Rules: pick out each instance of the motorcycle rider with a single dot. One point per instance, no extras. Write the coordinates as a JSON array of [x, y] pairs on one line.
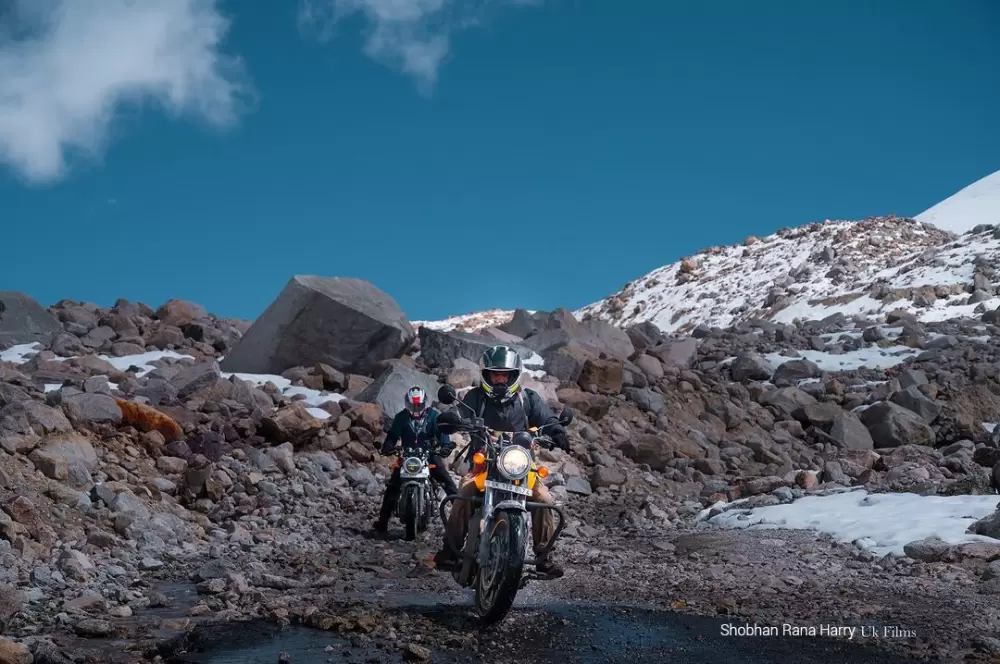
[[416, 426], [504, 405]]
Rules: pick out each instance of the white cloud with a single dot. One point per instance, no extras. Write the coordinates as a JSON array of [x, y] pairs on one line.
[[67, 66], [413, 36]]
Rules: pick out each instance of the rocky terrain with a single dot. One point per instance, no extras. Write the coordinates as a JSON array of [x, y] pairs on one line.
[[162, 469]]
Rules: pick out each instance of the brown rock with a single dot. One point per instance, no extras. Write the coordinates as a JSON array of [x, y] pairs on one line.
[[14, 653], [604, 375], [171, 465], [360, 452], [50, 465], [606, 477], [654, 451], [369, 415], [180, 312], [291, 424], [594, 406], [806, 480]]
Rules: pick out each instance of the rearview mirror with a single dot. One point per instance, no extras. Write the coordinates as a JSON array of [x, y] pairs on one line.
[[566, 416], [447, 395]]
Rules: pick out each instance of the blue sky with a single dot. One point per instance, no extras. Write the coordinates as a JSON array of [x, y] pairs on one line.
[[464, 156]]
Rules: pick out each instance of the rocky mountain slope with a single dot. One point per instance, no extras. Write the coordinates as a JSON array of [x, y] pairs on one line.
[[142, 451], [868, 267]]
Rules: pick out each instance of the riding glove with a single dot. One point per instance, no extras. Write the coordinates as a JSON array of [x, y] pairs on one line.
[[559, 437]]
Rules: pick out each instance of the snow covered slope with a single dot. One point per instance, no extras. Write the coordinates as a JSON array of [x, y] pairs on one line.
[[469, 322], [979, 203], [869, 267]]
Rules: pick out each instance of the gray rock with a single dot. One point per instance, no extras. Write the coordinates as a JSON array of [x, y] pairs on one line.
[[988, 526], [348, 324], [78, 454], [606, 477], [190, 379], [928, 550], [850, 432], [442, 349], [645, 399], [28, 416], [912, 377], [750, 366], [24, 321], [593, 336], [389, 389], [795, 370], [359, 476], [787, 400], [680, 353], [578, 485], [91, 408], [891, 425], [916, 401]]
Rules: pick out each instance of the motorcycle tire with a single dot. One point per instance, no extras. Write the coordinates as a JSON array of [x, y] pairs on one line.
[[410, 515], [499, 580]]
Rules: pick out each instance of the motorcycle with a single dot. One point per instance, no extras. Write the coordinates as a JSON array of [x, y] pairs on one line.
[[417, 492], [505, 473]]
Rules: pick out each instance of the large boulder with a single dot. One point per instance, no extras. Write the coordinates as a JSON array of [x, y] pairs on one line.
[[24, 321], [389, 389], [891, 425], [593, 336], [521, 324], [346, 323], [441, 349]]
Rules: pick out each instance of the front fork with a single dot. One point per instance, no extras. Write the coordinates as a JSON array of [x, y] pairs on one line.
[[487, 519]]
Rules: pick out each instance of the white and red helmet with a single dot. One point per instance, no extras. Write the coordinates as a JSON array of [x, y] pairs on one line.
[[416, 401]]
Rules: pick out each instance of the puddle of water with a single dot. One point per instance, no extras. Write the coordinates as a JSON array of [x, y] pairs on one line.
[[543, 634], [259, 642]]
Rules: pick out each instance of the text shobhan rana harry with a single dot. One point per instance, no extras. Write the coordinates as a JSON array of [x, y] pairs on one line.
[[836, 631]]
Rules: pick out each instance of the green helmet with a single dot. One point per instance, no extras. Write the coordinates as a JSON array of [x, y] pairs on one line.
[[500, 373]]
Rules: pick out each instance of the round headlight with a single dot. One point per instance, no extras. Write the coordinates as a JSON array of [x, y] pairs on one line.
[[514, 462], [413, 465]]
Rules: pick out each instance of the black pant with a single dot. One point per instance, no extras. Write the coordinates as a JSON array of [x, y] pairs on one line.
[[440, 474]]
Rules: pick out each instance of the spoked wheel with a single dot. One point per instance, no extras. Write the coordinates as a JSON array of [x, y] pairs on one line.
[[499, 580]]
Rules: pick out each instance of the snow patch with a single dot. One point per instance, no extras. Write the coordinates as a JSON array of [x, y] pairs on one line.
[[312, 397], [20, 353], [873, 358], [879, 522]]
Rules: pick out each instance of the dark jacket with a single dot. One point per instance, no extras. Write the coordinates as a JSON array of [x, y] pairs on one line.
[[416, 433], [518, 414]]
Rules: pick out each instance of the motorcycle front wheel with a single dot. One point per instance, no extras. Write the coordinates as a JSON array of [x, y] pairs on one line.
[[410, 515], [498, 581]]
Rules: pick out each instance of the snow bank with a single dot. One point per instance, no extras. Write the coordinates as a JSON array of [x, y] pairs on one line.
[[881, 522], [872, 357]]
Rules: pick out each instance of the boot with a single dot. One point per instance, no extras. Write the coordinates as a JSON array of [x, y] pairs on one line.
[[546, 567], [384, 513], [444, 559]]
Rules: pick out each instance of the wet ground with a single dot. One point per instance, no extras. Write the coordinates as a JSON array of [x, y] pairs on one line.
[[553, 633]]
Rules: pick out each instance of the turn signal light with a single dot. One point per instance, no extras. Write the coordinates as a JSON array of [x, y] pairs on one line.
[[479, 458], [432, 465], [543, 472]]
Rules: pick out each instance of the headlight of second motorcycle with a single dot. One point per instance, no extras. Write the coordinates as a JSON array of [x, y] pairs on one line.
[[514, 462], [413, 465]]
